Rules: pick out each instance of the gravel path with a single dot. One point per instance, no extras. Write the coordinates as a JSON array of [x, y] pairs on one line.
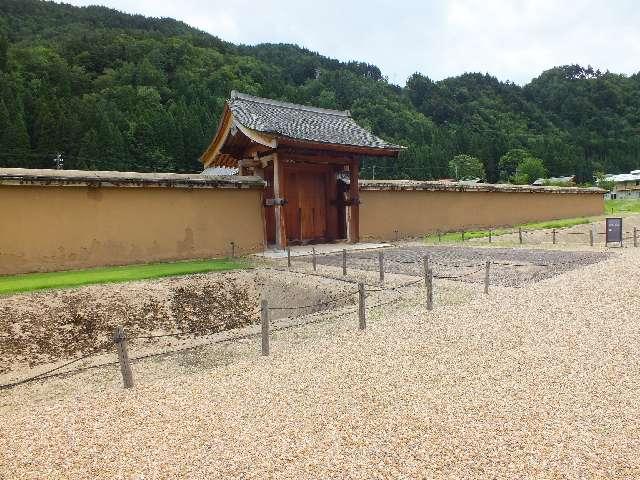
[[513, 267], [534, 382]]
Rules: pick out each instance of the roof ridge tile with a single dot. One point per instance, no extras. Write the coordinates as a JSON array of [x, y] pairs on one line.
[[294, 106]]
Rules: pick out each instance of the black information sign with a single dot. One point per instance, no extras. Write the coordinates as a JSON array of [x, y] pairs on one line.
[[614, 230]]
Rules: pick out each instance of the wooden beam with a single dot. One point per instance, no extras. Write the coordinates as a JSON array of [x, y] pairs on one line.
[[258, 137], [354, 197], [212, 151], [349, 149], [278, 192]]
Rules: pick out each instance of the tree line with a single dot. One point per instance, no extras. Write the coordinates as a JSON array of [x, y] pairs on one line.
[[112, 91]]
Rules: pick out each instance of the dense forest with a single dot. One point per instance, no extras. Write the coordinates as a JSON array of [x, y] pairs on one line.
[[112, 91]]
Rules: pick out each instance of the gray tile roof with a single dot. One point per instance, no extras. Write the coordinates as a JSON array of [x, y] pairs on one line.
[[300, 122]]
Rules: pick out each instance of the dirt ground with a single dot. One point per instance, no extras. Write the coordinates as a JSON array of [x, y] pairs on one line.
[[44, 329], [541, 381]]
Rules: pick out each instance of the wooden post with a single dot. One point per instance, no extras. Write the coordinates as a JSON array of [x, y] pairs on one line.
[[264, 307], [381, 265], [463, 235], [429, 280], [489, 235], [439, 236], [354, 197], [344, 261], [233, 249], [520, 234], [591, 237], [289, 257], [553, 235], [397, 232], [120, 339], [425, 262], [313, 258], [278, 193], [361, 308], [486, 276], [635, 236]]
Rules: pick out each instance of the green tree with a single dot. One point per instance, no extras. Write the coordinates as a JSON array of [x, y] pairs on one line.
[[529, 170], [466, 167], [508, 163]]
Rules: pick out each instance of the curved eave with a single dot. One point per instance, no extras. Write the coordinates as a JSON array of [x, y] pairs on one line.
[[214, 154], [354, 149]]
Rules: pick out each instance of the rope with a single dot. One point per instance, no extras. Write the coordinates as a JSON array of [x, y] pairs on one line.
[[320, 304], [390, 289], [459, 276], [44, 374]]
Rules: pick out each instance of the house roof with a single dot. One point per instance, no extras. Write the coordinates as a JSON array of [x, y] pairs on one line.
[[301, 122], [624, 177], [273, 122]]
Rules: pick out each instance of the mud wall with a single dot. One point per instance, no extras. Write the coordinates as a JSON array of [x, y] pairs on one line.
[[49, 228], [417, 212]]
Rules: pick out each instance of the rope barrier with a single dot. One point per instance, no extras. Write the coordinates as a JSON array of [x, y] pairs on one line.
[[45, 374], [319, 304]]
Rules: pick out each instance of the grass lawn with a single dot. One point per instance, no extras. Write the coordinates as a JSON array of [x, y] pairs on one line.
[[452, 237], [75, 278], [622, 206]]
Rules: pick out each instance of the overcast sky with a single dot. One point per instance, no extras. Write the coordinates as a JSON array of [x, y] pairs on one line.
[[513, 40]]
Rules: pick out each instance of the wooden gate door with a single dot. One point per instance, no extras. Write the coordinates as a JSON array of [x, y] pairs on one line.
[[306, 210]]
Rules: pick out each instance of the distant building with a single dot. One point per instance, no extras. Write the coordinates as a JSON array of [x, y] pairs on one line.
[[625, 185], [570, 180]]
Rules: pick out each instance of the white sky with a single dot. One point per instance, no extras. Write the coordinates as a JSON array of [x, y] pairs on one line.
[[513, 40]]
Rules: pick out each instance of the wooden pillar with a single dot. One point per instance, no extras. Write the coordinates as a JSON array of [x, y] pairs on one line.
[[278, 193], [354, 196]]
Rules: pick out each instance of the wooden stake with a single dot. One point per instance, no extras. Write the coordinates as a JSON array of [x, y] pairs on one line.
[[233, 250], [463, 235], [289, 257], [553, 235], [344, 261], [264, 307], [520, 234], [120, 339], [429, 280], [635, 236], [381, 265], [361, 307], [591, 237], [439, 236], [486, 276], [425, 264], [315, 261], [489, 235]]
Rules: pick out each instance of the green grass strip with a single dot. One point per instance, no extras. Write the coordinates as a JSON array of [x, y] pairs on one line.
[[75, 278], [453, 237], [628, 205]]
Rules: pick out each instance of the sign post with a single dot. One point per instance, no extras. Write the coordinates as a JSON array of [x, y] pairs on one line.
[[614, 231]]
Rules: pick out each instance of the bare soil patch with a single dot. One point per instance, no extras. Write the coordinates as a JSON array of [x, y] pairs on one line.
[[45, 327]]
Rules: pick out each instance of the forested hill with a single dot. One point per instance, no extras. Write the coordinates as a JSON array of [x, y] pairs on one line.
[[116, 91]]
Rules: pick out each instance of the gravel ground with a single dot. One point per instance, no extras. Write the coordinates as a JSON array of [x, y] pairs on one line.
[[534, 382], [510, 267]]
